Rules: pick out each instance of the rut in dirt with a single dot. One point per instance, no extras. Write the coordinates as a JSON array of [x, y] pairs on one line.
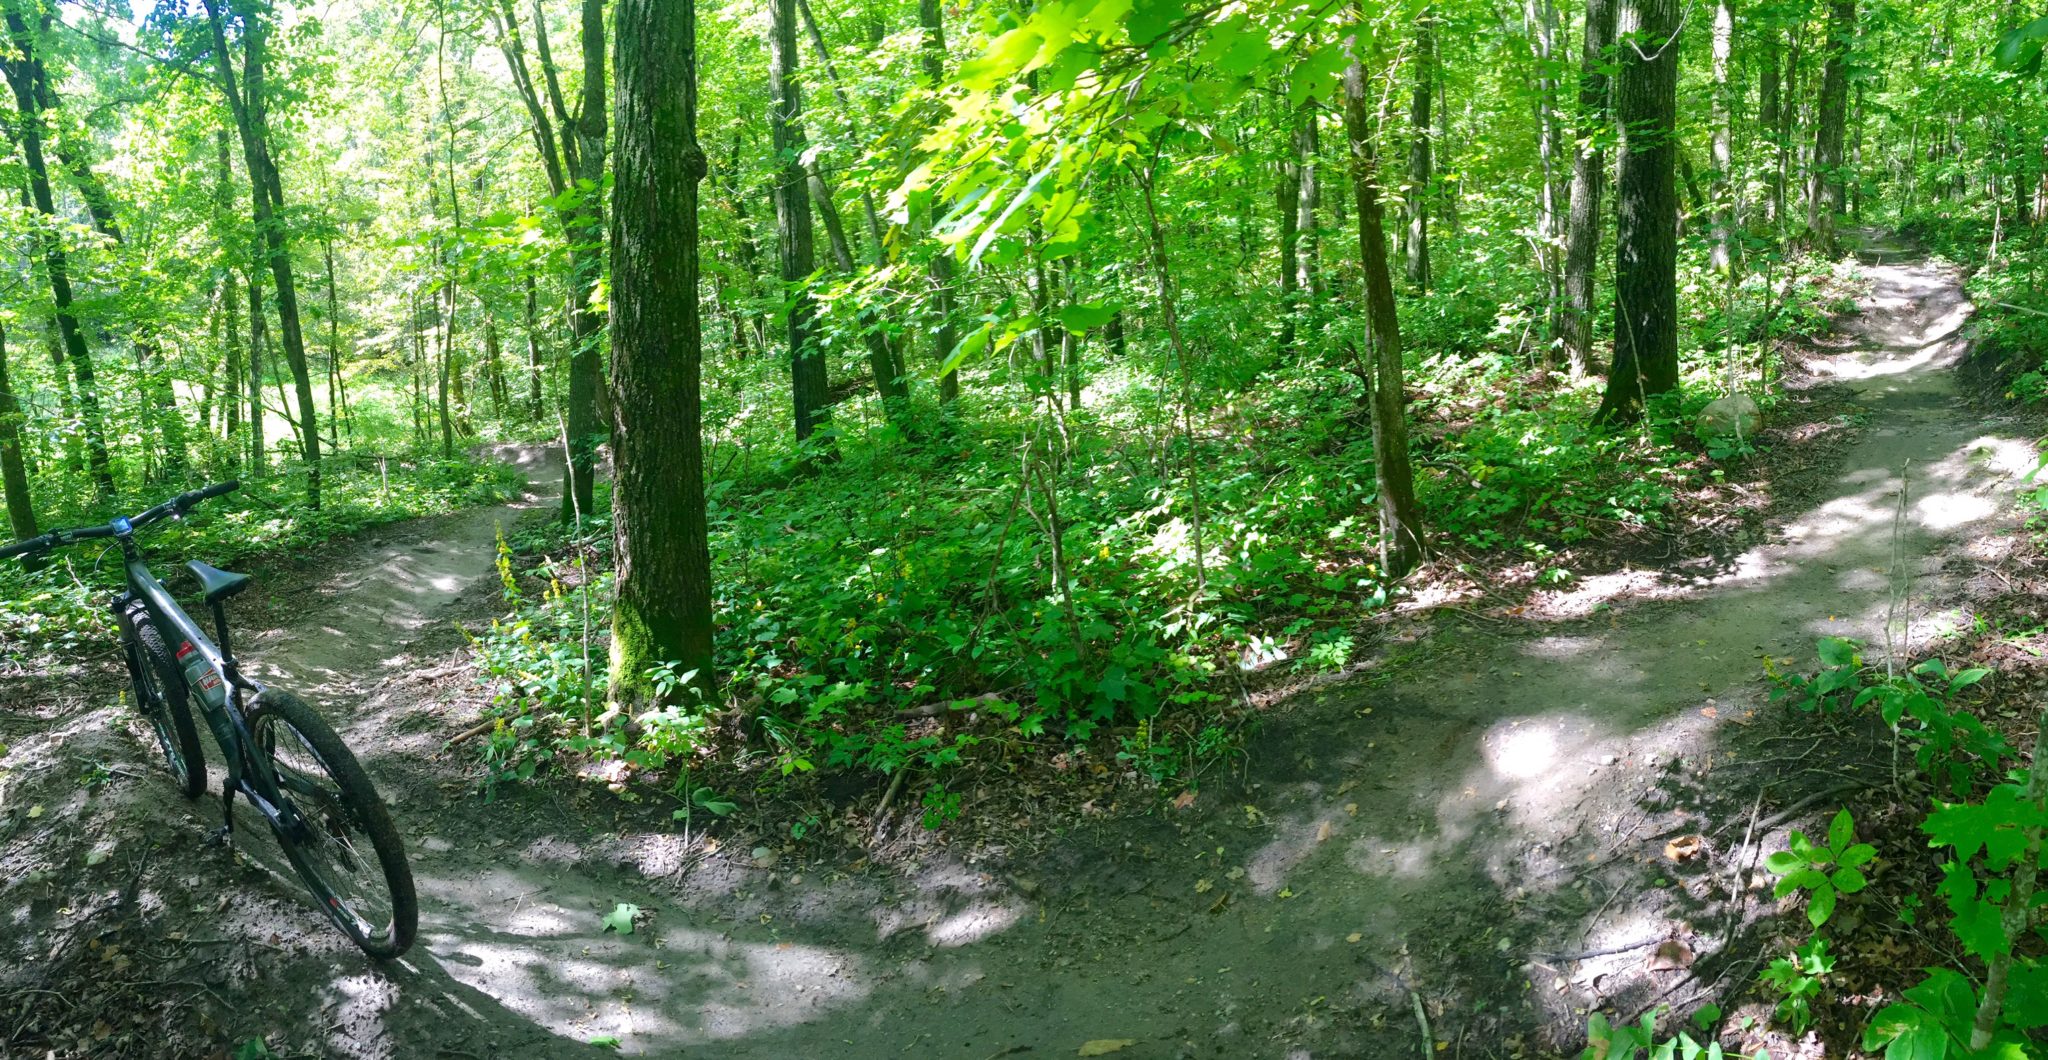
[[1456, 837]]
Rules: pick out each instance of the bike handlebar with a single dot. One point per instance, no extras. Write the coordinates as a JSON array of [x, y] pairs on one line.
[[176, 506]]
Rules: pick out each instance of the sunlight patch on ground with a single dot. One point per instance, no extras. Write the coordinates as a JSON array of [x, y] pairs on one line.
[[977, 922], [666, 985]]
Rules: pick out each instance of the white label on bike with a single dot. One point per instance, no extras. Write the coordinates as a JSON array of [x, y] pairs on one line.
[[209, 682]]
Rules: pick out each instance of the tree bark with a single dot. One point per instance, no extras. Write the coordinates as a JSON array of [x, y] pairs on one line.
[[21, 512], [663, 614], [533, 358], [1769, 96], [1416, 243], [572, 154], [1646, 245], [1541, 16], [1589, 178], [1826, 192], [932, 55], [794, 241], [22, 76], [248, 101], [1722, 255], [1307, 148], [1288, 198], [1400, 519]]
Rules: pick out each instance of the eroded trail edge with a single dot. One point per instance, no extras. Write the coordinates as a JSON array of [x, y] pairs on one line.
[[1484, 831]]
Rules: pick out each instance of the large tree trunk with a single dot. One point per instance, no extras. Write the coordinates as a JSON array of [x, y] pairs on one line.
[[1416, 242], [248, 100], [793, 237], [1400, 519], [21, 513], [1646, 245], [663, 613], [1589, 178], [1826, 194], [22, 76]]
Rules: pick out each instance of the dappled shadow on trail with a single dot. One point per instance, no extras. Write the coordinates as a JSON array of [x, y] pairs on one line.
[[1465, 835]]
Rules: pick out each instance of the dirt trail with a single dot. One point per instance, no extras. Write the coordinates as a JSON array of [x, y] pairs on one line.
[[1501, 801]]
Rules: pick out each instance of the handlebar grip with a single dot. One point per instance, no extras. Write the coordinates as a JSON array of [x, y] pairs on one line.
[[218, 489], [24, 548]]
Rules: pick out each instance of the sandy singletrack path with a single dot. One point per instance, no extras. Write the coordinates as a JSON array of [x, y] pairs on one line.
[[1454, 836]]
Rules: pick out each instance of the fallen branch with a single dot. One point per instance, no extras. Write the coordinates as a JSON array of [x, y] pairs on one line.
[[473, 731], [882, 808], [1428, 1039], [1603, 952]]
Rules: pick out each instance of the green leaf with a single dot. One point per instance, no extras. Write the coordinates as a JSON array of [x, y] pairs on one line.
[[1997, 826], [621, 918], [2020, 49], [1086, 317], [1857, 856], [968, 348], [1783, 862], [1150, 20], [1849, 881], [1841, 830], [1822, 906], [1967, 678], [606, 1041], [1837, 651]]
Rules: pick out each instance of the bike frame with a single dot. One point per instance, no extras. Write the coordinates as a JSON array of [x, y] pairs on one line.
[[248, 774]]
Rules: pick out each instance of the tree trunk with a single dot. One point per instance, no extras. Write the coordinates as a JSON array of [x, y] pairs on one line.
[[1826, 193], [22, 76], [1768, 106], [248, 100], [1416, 243], [660, 542], [259, 342], [793, 237], [1722, 257], [21, 513], [1589, 178], [1307, 147], [533, 359], [1646, 244], [1550, 207], [931, 19], [1287, 197], [1400, 519], [890, 385]]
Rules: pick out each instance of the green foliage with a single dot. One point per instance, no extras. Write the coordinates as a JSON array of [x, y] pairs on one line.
[[1804, 867], [1950, 744], [1796, 980], [1607, 1040]]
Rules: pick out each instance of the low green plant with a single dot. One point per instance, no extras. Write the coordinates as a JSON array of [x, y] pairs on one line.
[[940, 807], [1805, 867], [1606, 1040], [1795, 979]]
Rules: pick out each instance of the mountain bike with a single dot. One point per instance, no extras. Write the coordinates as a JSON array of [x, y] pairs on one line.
[[280, 755]]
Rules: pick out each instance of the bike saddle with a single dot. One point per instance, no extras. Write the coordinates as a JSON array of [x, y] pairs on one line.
[[218, 584]]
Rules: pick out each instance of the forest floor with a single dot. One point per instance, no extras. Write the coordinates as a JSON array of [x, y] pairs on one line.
[[1453, 840]]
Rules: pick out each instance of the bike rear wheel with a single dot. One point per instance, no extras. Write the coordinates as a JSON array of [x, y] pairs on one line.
[[348, 852], [162, 699]]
